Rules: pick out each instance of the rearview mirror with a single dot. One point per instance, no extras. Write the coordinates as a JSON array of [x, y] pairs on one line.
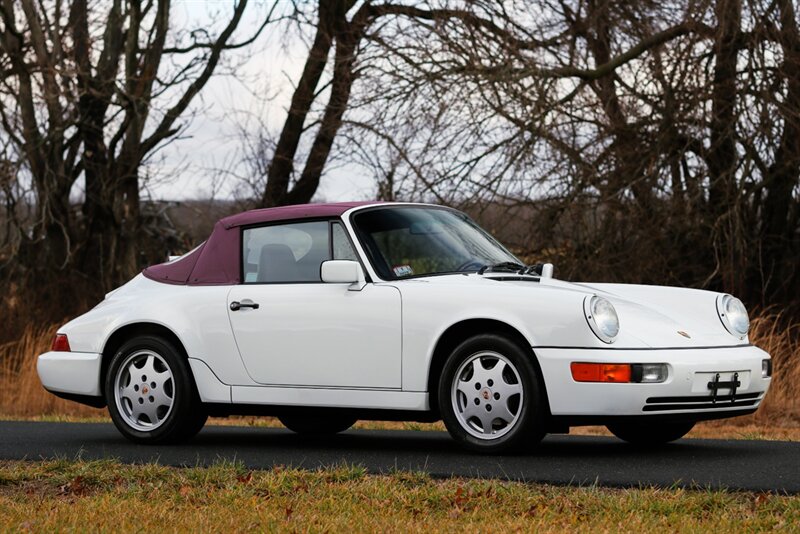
[[343, 272]]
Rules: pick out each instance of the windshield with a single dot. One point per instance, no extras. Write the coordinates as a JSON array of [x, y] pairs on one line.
[[405, 242]]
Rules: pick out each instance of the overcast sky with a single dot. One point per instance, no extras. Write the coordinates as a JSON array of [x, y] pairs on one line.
[[185, 168]]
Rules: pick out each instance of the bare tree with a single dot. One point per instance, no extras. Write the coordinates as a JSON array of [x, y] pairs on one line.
[[90, 91], [343, 27], [676, 119]]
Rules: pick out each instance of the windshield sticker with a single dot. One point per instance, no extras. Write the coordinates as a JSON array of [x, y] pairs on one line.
[[402, 270]]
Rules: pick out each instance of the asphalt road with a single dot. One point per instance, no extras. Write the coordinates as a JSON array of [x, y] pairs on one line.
[[576, 460]]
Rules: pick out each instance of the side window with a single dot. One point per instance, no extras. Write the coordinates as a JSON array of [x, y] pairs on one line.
[[342, 248], [285, 252]]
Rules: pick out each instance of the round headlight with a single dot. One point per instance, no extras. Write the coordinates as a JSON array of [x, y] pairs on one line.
[[733, 315], [602, 318]]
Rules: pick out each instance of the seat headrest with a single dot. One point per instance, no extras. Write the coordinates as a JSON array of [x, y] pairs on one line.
[[276, 263]]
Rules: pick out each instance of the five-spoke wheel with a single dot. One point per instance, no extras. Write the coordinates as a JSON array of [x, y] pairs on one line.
[[150, 392], [490, 397]]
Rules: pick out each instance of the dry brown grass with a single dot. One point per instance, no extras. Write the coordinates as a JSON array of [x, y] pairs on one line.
[[22, 395], [781, 339], [106, 496]]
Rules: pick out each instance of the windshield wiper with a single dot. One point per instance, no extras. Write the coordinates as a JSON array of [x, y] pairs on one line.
[[503, 266]]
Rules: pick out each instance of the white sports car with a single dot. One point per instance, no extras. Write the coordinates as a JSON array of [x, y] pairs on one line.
[[325, 314]]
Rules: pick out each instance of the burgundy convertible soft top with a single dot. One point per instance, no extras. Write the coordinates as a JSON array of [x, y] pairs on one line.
[[217, 261]]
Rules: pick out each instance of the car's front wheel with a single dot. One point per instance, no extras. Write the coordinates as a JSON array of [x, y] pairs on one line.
[[650, 434], [490, 397], [150, 392]]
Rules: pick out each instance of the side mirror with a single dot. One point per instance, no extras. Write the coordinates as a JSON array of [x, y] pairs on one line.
[[343, 272]]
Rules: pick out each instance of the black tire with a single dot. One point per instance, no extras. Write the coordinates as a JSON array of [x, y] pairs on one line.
[[315, 425], [650, 434], [187, 414], [529, 426]]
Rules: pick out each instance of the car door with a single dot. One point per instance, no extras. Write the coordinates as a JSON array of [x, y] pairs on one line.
[[294, 330]]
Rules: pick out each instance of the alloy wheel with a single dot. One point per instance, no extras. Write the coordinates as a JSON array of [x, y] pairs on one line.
[[144, 390], [487, 395]]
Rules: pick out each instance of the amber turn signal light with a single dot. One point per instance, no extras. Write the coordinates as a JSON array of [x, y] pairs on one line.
[[60, 343], [600, 372]]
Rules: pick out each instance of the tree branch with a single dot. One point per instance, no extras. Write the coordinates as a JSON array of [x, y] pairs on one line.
[[165, 127]]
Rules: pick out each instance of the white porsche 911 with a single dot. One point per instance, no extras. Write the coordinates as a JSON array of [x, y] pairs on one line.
[[325, 314]]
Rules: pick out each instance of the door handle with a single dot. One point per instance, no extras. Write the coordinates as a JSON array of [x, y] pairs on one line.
[[236, 305]]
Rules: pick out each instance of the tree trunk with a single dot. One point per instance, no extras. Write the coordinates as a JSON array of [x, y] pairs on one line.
[[627, 147], [348, 37], [282, 166], [780, 240], [722, 157]]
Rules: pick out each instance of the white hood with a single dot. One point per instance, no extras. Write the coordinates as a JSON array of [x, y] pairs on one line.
[[655, 315]]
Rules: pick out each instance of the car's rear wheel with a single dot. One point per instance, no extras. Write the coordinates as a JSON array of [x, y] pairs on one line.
[[313, 425], [650, 434], [490, 396], [150, 392]]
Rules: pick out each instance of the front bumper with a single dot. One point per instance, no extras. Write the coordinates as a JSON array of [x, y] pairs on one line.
[[72, 373], [685, 393]]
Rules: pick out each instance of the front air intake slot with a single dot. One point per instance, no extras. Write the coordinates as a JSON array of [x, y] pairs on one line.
[[721, 402]]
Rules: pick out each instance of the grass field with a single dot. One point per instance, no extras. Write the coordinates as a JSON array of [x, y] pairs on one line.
[[112, 497]]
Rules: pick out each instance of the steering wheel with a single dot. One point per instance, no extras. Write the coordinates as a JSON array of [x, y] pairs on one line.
[[470, 263]]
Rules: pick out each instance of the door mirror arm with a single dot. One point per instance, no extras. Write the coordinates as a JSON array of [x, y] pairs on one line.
[[361, 282]]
